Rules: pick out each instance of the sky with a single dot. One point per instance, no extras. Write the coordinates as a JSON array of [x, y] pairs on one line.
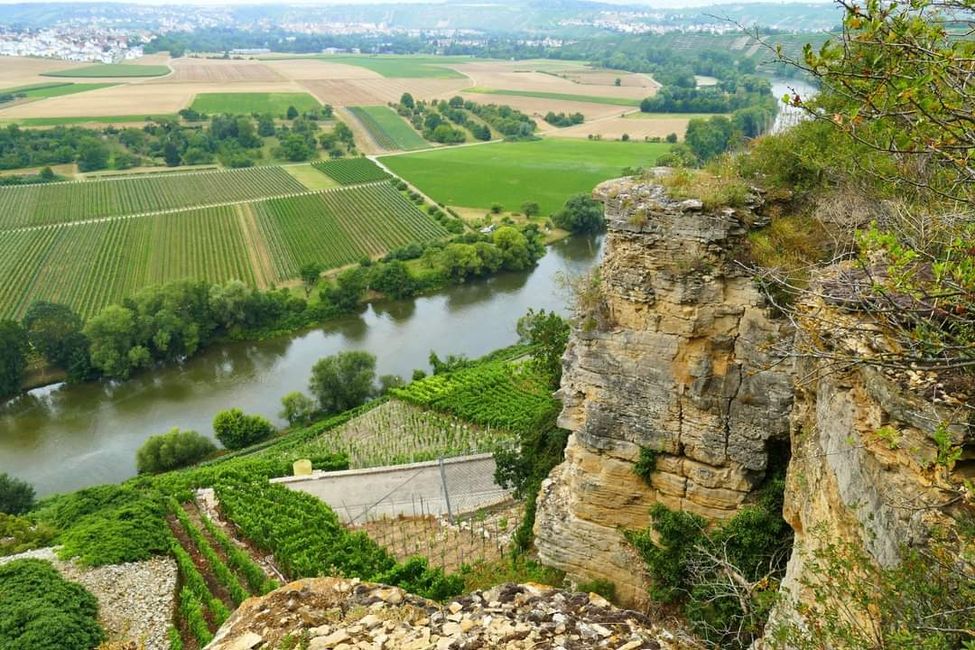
[[659, 4]]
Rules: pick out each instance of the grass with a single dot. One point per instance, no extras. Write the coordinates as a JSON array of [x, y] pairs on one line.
[[112, 70], [97, 119], [396, 66], [59, 90], [511, 173], [310, 177], [388, 129], [350, 171], [640, 115], [588, 99], [245, 103]]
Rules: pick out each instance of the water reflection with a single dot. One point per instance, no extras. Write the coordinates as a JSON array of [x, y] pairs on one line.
[[64, 438]]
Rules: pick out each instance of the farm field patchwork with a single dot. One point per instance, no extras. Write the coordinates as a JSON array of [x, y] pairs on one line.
[[388, 129], [546, 171], [112, 70], [91, 265], [96, 120], [351, 171], [66, 202], [565, 97], [393, 66], [55, 89], [337, 227], [274, 103]]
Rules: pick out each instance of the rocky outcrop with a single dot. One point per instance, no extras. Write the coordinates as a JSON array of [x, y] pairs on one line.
[[333, 613], [677, 359]]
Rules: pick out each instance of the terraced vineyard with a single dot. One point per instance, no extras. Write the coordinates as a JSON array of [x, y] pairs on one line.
[[351, 171], [337, 227], [388, 129], [67, 202]]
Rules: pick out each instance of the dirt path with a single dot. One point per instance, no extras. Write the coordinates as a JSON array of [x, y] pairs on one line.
[[363, 140]]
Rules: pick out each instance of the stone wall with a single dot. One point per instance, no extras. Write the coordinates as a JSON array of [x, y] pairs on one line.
[[679, 361]]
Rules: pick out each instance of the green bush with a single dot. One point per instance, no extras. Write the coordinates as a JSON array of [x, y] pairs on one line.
[[236, 430], [18, 534], [172, 450], [580, 214], [40, 610], [16, 496], [645, 464]]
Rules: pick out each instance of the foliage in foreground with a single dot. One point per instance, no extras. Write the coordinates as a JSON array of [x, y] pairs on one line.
[[40, 610], [16, 496], [308, 540], [726, 576]]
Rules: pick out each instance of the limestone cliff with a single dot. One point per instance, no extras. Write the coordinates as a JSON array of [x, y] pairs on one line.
[[677, 361], [676, 357]]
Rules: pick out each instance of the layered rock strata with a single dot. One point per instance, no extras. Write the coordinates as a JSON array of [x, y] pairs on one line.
[[676, 356]]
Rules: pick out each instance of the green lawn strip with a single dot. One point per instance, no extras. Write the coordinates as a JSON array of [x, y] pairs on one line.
[[66, 89], [112, 70], [100, 119], [246, 103], [511, 173], [588, 99], [388, 129], [24, 89], [310, 176], [639, 115]]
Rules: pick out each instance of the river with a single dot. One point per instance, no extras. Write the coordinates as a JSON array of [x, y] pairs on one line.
[[64, 438]]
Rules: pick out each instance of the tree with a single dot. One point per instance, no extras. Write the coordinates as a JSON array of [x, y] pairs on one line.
[[407, 101], [48, 324], [172, 450], [297, 408], [236, 430], [343, 381], [47, 175], [292, 113], [393, 279], [710, 137], [295, 148], [16, 496], [112, 336], [171, 155], [92, 156], [265, 126], [671, 138], [310, 274], [349, 288], [580, 214], [548, 333], [513, 245], [530, 208], [13, 356]]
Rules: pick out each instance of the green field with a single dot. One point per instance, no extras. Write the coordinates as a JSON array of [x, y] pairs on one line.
[[261, 242], [32, 205], [351, 171], [340, 226], [511, 173], [589, 99], [102, 119], [389, 130], [640, 115], [245, 103], [395, 66], [59, 90], [112, 70]]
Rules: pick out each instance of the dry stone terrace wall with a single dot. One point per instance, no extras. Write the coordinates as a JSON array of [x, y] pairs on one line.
[[680, 364]]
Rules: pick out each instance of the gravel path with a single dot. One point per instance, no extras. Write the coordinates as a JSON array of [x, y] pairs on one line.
[[135, 600]]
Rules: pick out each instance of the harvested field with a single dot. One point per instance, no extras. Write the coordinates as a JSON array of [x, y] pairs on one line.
[[22, 71], [365, 92], [513, 76], [312, 69], [218, 71], [638, 129], [597, 77]]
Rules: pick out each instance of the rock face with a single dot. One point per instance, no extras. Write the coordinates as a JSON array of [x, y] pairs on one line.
[[676, 358], [333, 613]]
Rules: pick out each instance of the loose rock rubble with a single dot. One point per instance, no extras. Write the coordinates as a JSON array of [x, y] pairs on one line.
[[339, 614], [135, 600]]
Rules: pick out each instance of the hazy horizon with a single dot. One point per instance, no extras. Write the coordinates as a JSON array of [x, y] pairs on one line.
[[651, 4]]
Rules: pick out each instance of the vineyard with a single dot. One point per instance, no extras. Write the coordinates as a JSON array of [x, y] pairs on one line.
[[396, 433], [56, 203], [216, 575], [351, 171], [502, 394], [90, 265], [388, 129], [340, 226]]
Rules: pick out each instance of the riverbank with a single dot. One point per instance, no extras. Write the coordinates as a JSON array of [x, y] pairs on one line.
[[66, 437]]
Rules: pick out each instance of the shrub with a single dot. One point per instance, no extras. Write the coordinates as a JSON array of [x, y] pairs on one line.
[[236, 430], [580, 214], [16, 496], [297, 408], [40, 610], [19, 534], [172, 450], [645, 464]]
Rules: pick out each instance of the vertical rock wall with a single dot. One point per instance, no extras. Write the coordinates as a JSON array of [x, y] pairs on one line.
[[679, 362]]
